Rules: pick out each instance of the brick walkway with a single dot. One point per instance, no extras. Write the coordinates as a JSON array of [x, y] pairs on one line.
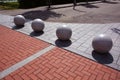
[[56, 64], [59, 64], [15, 47]]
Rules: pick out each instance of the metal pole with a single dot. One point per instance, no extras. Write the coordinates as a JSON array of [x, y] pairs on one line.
[[49, 3], [74, 4], [87, 2]]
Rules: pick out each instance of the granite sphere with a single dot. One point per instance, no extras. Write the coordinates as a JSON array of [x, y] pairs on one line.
[[19, 20], [102, 43], [38, 25], [64, 32]]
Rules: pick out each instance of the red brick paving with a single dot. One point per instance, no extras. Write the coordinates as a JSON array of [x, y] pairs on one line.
[[15, 47], [59, 64]]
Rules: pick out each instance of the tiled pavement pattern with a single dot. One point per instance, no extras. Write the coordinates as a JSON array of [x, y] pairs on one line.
[[56, 64], [59, 64], [15, 47], [81, 39]]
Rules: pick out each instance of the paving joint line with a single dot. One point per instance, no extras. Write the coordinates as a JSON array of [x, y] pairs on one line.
[[24, 62]]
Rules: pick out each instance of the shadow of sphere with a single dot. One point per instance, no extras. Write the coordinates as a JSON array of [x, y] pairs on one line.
[[63, 43], [33, 34], [17, 27], [104, 58]]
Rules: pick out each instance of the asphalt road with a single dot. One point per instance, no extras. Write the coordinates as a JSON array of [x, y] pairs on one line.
[[94, 12]]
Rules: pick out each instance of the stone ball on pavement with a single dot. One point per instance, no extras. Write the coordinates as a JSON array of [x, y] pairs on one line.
[[38, 25], [19, 20], [64, 32], [102, 43]]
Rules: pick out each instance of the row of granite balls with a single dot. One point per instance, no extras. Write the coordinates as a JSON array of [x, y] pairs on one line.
[[101, 43]]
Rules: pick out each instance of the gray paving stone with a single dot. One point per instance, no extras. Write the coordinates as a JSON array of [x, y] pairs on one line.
[[118, 68], [82, 49], [115, 48], [113, 65], [89, 51], [86, 45], [75, 45], [74, 50], [118, 62], [115, 58]]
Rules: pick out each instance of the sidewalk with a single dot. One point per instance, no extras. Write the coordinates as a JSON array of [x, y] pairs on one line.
[[43, 61], [81, 39]]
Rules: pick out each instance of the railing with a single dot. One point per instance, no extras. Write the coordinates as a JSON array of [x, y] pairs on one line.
[[74, 3], [8, 0]]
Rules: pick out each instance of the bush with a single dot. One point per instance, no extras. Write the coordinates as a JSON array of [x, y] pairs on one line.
[[61, 1], [36, 3], [9, 5], [31, 3]]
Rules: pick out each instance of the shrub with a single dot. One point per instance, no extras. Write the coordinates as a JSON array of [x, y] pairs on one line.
[[31, 3], [9, 5], [36, 3]]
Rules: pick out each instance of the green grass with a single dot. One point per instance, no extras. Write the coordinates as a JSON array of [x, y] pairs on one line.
[[9, 5]]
